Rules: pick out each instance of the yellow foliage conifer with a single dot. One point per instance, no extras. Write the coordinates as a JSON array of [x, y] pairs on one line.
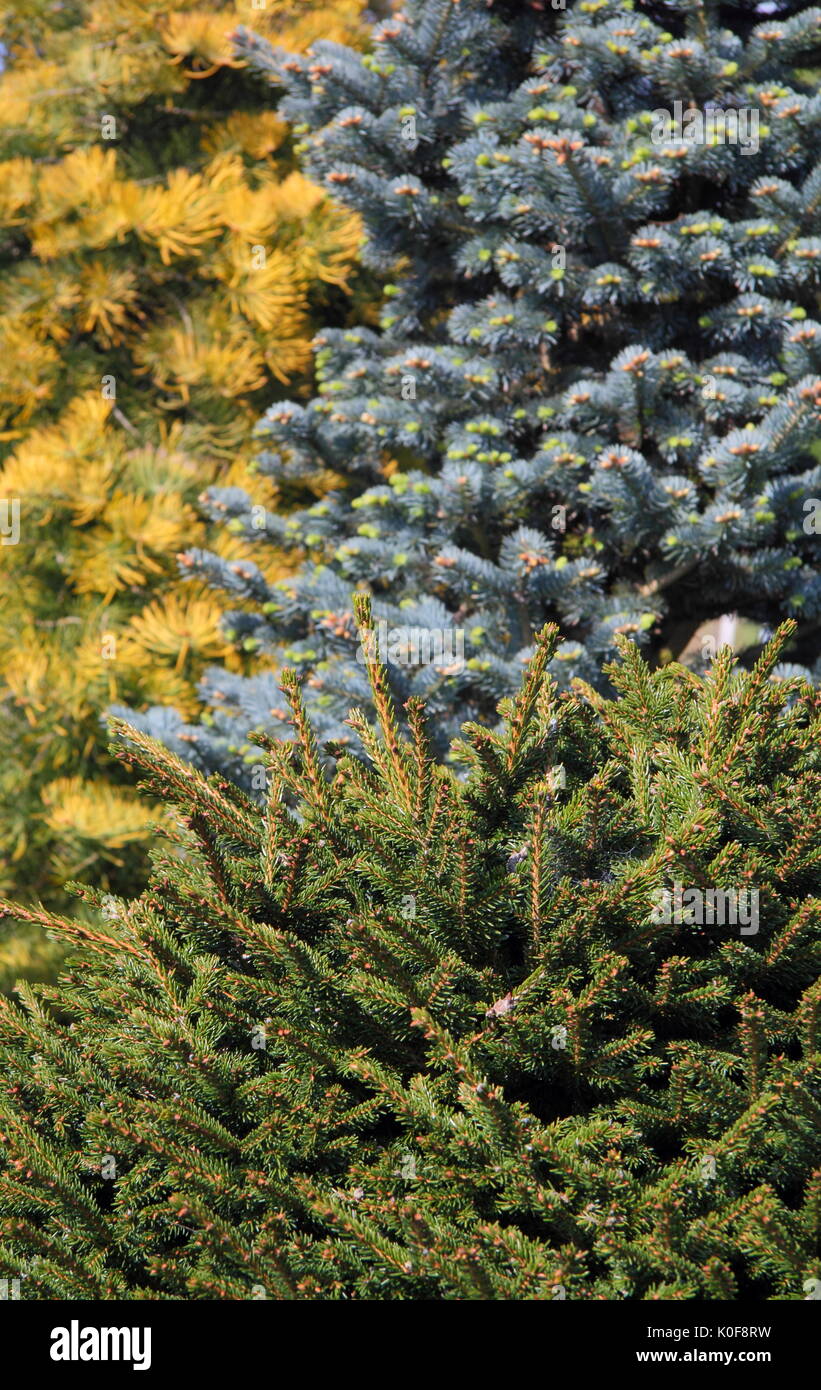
[[161, 265]]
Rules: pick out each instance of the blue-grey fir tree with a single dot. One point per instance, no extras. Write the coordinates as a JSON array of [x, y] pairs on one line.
[[593, 396]]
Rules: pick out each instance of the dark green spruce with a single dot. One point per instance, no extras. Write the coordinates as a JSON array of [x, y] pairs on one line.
[[406, 1034]]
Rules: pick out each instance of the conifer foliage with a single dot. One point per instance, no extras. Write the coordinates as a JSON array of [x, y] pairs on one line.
[[161, 260], [402, 1034], [594, 394]]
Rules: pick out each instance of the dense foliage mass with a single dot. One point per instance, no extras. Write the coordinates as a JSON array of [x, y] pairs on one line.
[[405, 1035], [161, 260], [593, 396]]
